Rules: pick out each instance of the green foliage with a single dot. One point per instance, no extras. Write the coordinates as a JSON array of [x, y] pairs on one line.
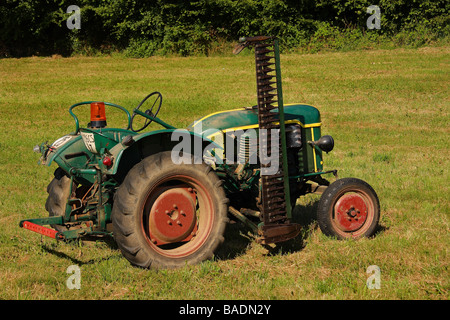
[[32, 27], [144, 28]]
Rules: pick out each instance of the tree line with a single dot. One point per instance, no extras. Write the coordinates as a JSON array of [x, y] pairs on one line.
[[144, 28]]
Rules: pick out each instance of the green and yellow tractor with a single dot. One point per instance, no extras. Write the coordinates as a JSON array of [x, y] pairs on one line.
[[166, 196]]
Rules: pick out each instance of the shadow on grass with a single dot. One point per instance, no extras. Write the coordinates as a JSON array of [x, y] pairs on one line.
[[109, 241], [238, 237], [380, 229], [306, 217]]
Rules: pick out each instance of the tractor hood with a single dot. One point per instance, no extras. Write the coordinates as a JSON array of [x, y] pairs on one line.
[[246, 118]]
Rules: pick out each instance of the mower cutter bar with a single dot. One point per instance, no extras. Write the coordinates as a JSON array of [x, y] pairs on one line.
[[42, 230]]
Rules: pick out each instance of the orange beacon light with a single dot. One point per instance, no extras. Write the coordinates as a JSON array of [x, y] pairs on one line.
[[98, 115]]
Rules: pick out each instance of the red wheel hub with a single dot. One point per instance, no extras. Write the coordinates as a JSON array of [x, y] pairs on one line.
[[350, 212], [173, 216]]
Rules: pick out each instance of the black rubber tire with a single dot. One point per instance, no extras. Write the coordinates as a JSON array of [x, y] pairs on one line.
[[58, 192], [326, 209], [130, 210]]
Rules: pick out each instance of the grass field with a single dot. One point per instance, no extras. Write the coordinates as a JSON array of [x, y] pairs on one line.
[[388, 111]]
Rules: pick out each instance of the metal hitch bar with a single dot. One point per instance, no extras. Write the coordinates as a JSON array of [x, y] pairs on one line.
[[37, 225], [42, 230]]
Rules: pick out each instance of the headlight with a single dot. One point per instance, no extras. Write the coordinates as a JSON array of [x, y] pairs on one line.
[[325, 143]]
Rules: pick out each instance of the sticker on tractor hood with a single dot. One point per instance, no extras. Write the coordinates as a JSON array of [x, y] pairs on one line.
[[89, 141], [61, 141]]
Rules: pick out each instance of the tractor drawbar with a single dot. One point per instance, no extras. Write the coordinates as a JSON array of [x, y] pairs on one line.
[[42, 230]]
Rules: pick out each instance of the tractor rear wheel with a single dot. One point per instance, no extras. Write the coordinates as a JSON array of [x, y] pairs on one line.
[[167, 215], [349, 208], [58, 193]]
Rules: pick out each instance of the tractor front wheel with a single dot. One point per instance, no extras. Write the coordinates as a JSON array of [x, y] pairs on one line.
[[167, 215], [349, 208]]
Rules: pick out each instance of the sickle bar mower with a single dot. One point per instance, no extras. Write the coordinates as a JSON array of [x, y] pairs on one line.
[[275, 195]]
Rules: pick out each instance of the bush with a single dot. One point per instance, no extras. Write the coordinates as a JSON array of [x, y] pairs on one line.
[[32, 27], [142, 28]]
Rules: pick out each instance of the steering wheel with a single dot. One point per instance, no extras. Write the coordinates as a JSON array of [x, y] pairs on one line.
[[156, 103]]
